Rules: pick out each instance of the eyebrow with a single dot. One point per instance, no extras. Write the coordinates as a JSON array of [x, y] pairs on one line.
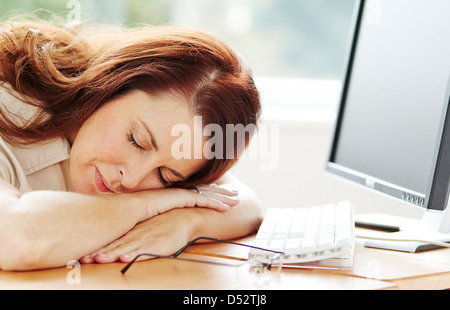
[[150, 133], [155, 146], [177, 174]]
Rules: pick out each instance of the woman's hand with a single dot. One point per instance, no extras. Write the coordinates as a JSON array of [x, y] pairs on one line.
[[163, 235], [208, 196], [169, 231]]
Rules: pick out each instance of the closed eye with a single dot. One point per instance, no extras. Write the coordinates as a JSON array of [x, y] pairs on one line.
[[134, 143], [164, 182]]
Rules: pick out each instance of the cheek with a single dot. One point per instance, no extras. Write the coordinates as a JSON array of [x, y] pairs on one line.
[[92, 149], [108, 148], [92, 144], [79, 170]]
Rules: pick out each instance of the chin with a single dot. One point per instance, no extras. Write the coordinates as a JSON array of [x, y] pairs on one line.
[[84, 188], [81, 184]]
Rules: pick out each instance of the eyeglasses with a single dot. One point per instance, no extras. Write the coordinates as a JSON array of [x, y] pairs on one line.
[[268, 268]]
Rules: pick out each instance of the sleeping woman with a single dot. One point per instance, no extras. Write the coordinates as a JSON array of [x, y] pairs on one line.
[[90, 165]]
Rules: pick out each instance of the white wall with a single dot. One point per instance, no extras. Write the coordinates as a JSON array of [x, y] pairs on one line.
[[300, 180]]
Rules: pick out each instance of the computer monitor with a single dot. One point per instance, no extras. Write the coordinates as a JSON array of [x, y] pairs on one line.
[[392, 132]]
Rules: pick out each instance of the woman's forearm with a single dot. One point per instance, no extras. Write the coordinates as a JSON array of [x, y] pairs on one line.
[[47, 229]]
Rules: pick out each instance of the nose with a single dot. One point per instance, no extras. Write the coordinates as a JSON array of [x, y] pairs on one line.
[[136, 176]]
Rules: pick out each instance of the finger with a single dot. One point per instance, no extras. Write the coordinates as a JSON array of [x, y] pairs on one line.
[[230, 201], [108, 257], [114, 254], [205, 200], [218, 196], [128, 257], [142, 253], [104, 258], [96, 258], [212, 203], [213, 188], [92, 257], [88, 259]]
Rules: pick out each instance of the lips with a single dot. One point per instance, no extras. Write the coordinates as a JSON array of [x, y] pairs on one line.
[[100, 183]]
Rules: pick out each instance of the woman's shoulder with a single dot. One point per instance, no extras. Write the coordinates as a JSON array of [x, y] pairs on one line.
[[21, 164], [12, 103], [38, 156], [10, 168]]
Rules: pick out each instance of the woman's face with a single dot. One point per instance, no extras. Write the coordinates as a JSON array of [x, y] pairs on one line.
[[125, 146]]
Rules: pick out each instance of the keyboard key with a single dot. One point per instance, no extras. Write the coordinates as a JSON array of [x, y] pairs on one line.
[[308, 245], [277, 245], [292, 246], [325, 242], [298, 223], [267, 226], [284, 224]]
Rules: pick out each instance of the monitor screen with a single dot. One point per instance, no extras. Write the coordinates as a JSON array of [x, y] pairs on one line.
[[390, 132]]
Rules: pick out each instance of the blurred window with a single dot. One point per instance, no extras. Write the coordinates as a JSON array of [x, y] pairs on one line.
[[285, 42]]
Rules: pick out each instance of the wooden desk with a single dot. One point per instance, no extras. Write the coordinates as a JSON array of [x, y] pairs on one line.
[[424, 270], [373, 270], [396, 270]]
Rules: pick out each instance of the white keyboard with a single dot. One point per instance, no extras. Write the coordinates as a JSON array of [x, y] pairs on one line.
[[306, 234]]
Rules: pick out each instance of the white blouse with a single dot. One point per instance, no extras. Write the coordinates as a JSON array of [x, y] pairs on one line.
[[43, 166]]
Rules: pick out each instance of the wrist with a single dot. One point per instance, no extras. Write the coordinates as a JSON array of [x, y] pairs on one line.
[[130, 206], [188, 221]]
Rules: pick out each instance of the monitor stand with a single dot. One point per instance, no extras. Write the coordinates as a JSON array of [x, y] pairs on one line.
[[434, 226]]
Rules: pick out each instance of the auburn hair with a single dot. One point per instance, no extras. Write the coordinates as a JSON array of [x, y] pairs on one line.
[[69, 73]]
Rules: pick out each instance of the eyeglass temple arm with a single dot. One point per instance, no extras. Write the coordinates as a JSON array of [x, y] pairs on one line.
[[175, 255], [124, 269], [190, 243]]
